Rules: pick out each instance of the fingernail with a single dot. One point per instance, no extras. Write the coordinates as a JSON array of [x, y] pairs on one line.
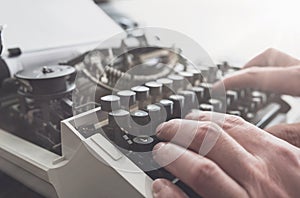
[[157, 147], [157, 186], [158, 129]]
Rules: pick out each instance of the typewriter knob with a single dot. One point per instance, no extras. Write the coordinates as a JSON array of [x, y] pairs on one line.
[[178, 81], [110, 103], [207, 87], [199, 91], [128, 98], [167, 108], [142, 92], [217, 104], [167, 86], [189, 77], [140, 117], [178, 101], [119, 118], [155, 89], [206, 107]]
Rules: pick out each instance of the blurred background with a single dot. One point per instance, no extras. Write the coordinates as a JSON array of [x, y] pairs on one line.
[[232, 30]]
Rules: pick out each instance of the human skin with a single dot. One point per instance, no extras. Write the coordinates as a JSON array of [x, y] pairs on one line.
[[272, 71], [245, 161]]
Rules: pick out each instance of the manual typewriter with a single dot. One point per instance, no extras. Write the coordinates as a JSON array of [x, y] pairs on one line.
[[137, 103], [117, 97]]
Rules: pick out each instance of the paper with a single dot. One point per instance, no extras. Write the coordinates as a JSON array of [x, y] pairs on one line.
[[35, 25]]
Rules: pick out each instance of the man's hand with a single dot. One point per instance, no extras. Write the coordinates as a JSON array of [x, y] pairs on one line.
[[274, 58], [242, 160], [287, 132], [271, 70], [274, 79]]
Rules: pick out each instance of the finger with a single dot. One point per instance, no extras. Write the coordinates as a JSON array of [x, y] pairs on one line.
[[272, 57], [243, 132], [204, 176], [271, 79], [209, 140], [287, 132], [163, 188]]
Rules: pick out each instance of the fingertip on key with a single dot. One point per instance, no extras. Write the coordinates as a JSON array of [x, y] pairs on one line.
[[157, 187], [159, 128]]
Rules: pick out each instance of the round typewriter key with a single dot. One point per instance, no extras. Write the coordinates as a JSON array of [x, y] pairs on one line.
[[110, 103], [141, 127], [236, 113], [250, 116], [153, 110], [190, 101], [231, 96], [190, 96], [167, 86], [140, 117], [257, 103], [206, 107], [258, 94], [217, 104], [167, 108], [188, 76], [243, 109], [199, 91], [119, 119], [207, 87], [143, 140], [142, 92], [205, 71], [178, 105], [156, 115], [128, 98], [178, 81], [155, 88], [196, 73], [165, 82]]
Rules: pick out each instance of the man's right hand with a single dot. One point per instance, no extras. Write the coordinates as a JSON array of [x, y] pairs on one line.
[[272, 71], [279, 80]]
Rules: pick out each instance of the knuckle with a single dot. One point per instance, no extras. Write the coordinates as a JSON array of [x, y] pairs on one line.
[[232, 121], [203, 171], [253, 171], [207, 127], [287, 155]]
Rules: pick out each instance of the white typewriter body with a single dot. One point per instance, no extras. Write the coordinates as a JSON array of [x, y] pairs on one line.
[[90, 167]]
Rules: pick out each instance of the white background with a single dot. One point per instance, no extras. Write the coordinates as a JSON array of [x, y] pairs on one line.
[[232, 30]]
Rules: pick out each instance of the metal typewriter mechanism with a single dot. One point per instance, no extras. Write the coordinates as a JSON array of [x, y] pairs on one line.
[[117, 97]]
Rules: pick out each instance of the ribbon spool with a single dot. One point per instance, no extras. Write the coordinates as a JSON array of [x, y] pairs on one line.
[[47, 81]]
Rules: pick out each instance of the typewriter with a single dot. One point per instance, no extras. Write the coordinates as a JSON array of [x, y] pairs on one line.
[[98, 113]]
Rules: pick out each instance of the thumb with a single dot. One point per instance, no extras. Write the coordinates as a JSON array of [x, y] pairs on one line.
[[287, 132]]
